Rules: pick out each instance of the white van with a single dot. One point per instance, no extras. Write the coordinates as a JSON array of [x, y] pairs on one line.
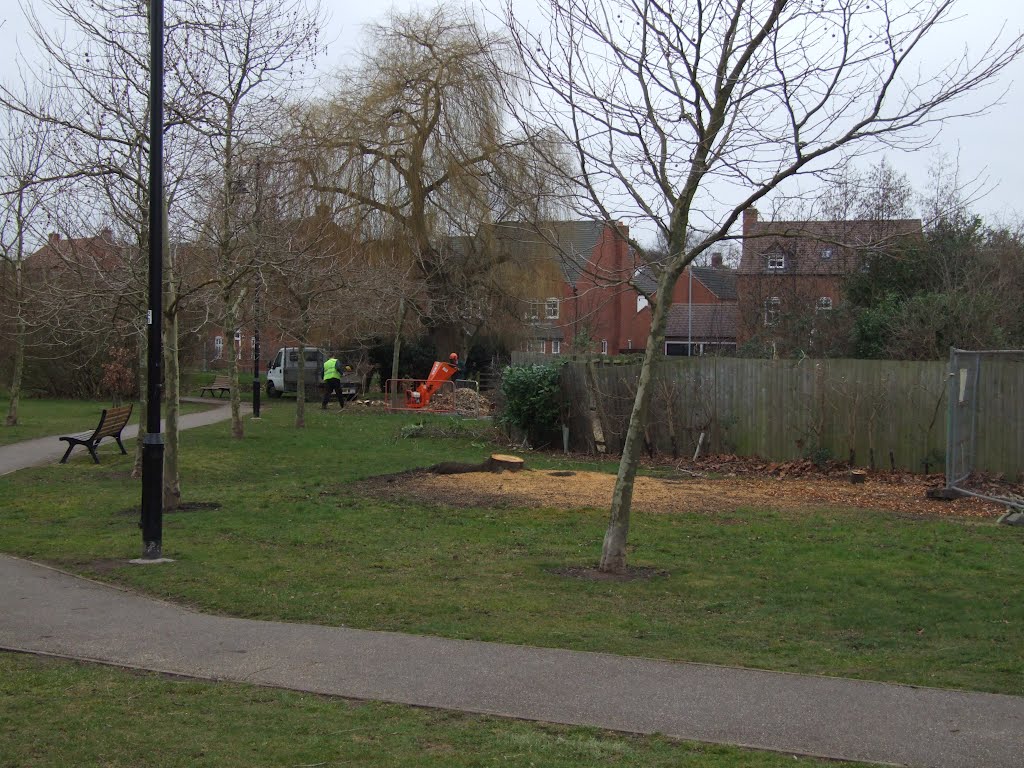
[[283, 373]]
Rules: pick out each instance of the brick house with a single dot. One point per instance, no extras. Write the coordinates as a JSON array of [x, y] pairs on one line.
[[570, 280], [703, 315], [791, 273], [583, 292]]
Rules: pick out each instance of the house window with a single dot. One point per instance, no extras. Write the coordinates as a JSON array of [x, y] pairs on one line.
[[252, 343], [551, 309], [533, 310], [629, 343], [824, 303], [238, 338], [604, 346], [776, 261], [772, 310], [641, 302], [218, 346], [827, 253], [535, 346], [556, 347]]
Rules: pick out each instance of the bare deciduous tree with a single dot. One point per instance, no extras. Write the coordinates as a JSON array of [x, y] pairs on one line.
[[241, 61], [683, 114], [24, 149]]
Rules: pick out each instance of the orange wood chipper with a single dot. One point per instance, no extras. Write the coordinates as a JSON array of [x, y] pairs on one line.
[[419, 396]]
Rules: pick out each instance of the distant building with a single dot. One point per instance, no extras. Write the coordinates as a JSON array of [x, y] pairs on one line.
[[791, 272]]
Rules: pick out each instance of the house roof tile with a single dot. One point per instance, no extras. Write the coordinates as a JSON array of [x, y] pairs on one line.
[[711, 322], [720, 281]]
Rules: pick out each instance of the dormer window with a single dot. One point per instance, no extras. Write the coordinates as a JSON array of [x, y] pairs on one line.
[[776, 261], [824, 303], [827, 253]]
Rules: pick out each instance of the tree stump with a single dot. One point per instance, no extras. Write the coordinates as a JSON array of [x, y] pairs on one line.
[[500, 462], [857, 476]]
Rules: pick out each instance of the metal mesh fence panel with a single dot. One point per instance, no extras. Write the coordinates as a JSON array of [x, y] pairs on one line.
[[985, 391]]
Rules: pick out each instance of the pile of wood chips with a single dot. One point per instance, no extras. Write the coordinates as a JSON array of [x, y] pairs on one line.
[[466, 402], [685, 492]]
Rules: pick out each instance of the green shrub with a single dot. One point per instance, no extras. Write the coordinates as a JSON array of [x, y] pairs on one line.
[[533, 397]]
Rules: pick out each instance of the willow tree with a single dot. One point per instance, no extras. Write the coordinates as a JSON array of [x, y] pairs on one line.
[[419, 140], [683, 113]]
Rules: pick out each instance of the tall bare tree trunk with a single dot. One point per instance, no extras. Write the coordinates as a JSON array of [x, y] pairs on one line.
[[613, 552], [172, 381], [300, 388], [396, 351], [19, 346], [231, 326], [140, 334]]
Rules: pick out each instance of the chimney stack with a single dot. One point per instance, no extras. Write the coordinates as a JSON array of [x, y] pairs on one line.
[[54, 238], [716, 260], [749, 219]]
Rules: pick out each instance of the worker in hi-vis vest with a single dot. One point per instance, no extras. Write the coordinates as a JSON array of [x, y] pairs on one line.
[[332, 381]]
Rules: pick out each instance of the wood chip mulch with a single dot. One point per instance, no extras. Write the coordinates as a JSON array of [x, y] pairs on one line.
[[746, 484]]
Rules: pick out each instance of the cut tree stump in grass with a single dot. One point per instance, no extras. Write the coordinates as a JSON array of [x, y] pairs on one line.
[[500, 462], [857, 475]]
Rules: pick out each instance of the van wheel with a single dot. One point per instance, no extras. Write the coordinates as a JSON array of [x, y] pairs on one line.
[[272, 390]]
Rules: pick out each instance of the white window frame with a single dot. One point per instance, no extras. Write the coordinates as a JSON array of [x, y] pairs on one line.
[[533, 309], [772, 310], [776, 261], [536, 346], [824, 304], [551, 307], [556, 347], [218, 346], [604, 346], [827, 252]]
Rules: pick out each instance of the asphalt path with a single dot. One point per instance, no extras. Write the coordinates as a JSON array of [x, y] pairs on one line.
[[45, 611], [48, 450]]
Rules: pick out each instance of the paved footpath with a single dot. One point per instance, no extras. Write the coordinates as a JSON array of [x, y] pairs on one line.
[[46, 611], [48, 450]]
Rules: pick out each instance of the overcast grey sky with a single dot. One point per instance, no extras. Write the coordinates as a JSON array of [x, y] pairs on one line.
[[987, 147]]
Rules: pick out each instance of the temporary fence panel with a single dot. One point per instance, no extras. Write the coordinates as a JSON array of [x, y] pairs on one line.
[[985, 409]]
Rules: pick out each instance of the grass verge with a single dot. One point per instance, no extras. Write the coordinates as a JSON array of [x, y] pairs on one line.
[[836, 592], [115, 718], [45, 418]]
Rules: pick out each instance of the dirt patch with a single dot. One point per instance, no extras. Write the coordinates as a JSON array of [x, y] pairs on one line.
[[185, 506], [899, 493], [593, 574]]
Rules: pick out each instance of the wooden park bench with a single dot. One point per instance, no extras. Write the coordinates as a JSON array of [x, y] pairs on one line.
[[220, 384], [112, 421]]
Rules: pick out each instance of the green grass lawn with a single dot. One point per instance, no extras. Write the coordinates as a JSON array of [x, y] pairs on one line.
[[115, 718], [43, 418], [837, 592]]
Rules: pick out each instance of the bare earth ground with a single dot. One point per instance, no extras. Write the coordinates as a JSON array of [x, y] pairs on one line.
[[893, 492]]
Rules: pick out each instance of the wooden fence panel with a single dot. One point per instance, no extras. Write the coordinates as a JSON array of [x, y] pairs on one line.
[[884, 412], [887, 413]]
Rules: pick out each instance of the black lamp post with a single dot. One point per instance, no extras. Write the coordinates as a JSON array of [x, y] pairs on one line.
[[153, 440]]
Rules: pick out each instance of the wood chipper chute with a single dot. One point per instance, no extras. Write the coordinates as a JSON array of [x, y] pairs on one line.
[[419, 396]]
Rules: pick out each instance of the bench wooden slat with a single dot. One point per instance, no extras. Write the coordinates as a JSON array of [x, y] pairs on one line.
[[112, 421], [220, 384]]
